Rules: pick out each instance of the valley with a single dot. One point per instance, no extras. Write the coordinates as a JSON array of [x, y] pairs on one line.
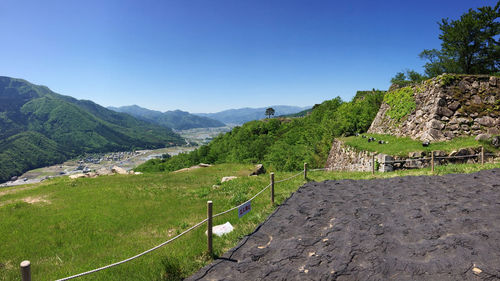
[[201, 136], [124, 159]]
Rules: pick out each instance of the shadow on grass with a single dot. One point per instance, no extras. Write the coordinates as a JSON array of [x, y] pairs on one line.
[[171, 270]]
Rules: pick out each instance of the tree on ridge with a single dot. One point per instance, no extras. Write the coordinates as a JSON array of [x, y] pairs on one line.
[[269, 111]]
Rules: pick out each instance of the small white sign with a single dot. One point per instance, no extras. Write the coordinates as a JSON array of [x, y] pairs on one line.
[[244, 209]]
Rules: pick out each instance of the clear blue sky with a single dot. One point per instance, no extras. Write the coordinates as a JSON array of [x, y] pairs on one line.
[[211, 55]]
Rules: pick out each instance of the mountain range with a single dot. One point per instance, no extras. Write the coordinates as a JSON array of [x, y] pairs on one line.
[[39, 127], [242, 115], [177, 119]]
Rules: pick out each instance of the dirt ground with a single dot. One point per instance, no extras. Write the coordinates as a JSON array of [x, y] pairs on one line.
[[408, 228]]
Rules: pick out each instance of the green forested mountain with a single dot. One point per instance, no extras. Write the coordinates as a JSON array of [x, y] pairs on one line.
[[283, 143], [176, 119], [39, 127]]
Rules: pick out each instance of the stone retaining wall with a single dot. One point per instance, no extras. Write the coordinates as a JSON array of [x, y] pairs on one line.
[[345, 158], [447, 106]]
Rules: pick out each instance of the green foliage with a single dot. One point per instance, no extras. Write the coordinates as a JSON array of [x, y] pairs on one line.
[[401, 102], [403, 79], [447, 79], [269, 112], [283, 143], [469, 45], [25, 151], [362, 94], [40, 127], [438, 63]]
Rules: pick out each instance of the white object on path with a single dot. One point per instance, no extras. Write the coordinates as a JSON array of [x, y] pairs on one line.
[[221, 229]]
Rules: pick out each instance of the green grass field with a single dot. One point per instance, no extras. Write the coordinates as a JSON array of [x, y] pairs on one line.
[[401, 146], [65, 226]]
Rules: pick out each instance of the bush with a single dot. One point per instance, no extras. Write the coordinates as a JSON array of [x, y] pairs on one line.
[[283, 143], [401, 102]]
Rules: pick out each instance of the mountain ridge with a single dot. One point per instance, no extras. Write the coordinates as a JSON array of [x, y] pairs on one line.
[[245, 114], [33, 116], [175, 119]]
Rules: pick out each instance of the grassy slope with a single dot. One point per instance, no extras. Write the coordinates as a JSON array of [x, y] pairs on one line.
[[88, 223], [401, 146]]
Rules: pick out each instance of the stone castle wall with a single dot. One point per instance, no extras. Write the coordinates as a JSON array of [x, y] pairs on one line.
[[447, 106], [345, 158]]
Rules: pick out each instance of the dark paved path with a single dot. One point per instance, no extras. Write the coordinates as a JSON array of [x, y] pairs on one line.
[[410, 228]]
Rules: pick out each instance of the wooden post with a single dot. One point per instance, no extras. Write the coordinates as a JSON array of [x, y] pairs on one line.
[[373, 164], [482, 155], [432, 162], [209, 227], [305, 171], [26, 271], [272, 188]]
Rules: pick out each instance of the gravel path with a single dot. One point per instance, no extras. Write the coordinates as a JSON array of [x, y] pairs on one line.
[[408, 228]]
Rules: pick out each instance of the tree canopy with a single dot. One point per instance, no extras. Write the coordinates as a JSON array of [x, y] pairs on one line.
[[404, 79], [469, 45], [270, 112]]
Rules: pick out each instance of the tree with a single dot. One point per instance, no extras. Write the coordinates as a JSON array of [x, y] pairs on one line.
[[270, 111], [410, 77], [399, 79], [469, 45]]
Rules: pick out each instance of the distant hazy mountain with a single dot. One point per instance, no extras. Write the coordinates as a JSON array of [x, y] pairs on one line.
[[302, 113], [177, 119], [39, 127], [242, 115]]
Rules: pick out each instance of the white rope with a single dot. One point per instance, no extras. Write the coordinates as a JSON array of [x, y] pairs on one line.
[[168, 241], [234, 208], [258, 193], [320, 169], [406, 160], [460, 156], [136, 256], [429, 158], [289, 177]]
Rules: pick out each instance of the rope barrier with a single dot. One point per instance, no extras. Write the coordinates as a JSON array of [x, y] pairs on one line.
[[234, 208], [320, 169], [134, 257], [441, 157], [459, 156], [300, 173], [407, 160], [168, 241]]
